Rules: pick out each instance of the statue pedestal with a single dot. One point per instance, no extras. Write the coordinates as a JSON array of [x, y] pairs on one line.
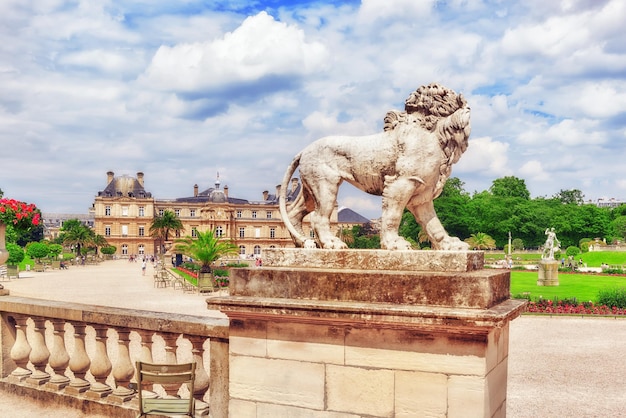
[[548, 274], [368, 332]]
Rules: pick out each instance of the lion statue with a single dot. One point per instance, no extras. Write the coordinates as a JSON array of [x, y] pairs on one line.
[[407, 164]]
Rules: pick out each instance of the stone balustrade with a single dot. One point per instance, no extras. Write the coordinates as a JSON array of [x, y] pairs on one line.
[[84, 356]]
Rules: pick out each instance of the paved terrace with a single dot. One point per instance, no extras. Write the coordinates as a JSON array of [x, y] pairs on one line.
[[558, 367]]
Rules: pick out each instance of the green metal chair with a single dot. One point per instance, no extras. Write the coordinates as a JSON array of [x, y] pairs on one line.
[[166, 374]]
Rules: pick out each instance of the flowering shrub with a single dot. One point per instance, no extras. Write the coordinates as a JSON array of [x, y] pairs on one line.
[[572, 308], [19, 214]]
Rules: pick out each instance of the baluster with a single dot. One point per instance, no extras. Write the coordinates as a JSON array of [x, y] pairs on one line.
[[201, 382], [123, 370], [39, 354], [100, 366], [79, 362], [170, 358], [146, 346], [59, 357], [20, 351], [145, 356]]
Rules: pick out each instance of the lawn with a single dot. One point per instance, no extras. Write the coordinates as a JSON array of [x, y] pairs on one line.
[[583, 287], [591, 259]]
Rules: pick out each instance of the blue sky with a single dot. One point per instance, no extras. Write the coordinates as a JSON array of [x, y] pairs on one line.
[[186, 89]]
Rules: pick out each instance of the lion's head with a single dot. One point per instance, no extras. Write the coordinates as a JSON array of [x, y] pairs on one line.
[[436, 109]]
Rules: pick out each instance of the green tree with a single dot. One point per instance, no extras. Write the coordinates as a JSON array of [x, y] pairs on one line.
[[163, 225], [618, 227], [205, 248], [481, 241], [573, 196], [510, 186], [76, 234], [108, 250], [99, 241], [37, 250], [16, 254], [54, 250], [517, 244]]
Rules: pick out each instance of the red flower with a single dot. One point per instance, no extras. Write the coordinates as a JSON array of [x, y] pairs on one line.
[[21, 215]]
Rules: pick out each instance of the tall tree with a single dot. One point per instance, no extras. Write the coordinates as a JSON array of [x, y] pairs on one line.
[[573, 196], [162, 226], [205, 248], [75, 233], [509, 186]]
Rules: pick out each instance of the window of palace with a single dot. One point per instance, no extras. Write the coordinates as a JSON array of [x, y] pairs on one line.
[[257, 232], [192, 213], [177, 212], [124, 249], [239, 213], [194, 232], [272, 246], [107, 231], [124, 210], [257, 250], [142, 211], [312, 233], [242, 250], [254, 214], [219, 231], [242, 232], [161, 212], [272, 232], [124, 230], [141, 231], [107, 210], [141, 249], [268, 215]]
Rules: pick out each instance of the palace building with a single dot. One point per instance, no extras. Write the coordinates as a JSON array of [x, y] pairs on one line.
[[124, 212]]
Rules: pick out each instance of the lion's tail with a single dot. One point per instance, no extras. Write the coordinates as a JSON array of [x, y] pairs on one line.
[[298, 237]]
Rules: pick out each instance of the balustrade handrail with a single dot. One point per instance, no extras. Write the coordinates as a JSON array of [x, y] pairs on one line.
[[210, 327], [30, 361]]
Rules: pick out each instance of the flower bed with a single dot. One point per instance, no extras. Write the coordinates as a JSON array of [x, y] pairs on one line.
[[545, 306], [187, 271]]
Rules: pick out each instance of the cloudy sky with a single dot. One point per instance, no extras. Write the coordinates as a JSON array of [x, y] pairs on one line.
[[182, 90]]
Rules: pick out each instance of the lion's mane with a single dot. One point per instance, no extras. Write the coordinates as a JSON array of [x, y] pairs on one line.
[[427, 106]]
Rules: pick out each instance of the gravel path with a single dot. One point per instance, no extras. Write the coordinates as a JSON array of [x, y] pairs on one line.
[[558, 366]]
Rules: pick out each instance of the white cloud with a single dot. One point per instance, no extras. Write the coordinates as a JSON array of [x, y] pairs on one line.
[[260, 47], [533, 170], [484, 156]]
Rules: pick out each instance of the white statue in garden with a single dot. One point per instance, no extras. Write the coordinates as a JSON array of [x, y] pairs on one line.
[[551, 246], [407, 164]]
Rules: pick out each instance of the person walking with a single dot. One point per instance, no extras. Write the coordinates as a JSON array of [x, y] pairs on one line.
[[143, 267]]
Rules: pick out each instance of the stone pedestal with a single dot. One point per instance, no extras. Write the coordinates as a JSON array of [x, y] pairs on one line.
[[548, 273], [368, 333]]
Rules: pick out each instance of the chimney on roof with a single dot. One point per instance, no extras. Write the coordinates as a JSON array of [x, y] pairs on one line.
[[226, 190], [195, 190], [140, 178], [278, 191], [265, 194], [110, 176], [294, 184]]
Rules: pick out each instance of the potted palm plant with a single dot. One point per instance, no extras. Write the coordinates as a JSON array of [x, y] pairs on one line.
[[205, 249]]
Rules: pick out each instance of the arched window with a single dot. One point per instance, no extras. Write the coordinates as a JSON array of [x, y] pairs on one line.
[[257, 250], [242, 249]]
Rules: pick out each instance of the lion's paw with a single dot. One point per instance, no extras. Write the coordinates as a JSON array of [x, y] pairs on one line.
[[454, 244], [334, 244], [397, 243]]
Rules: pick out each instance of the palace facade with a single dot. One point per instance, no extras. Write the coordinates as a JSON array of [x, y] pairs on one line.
[[124, 212]]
